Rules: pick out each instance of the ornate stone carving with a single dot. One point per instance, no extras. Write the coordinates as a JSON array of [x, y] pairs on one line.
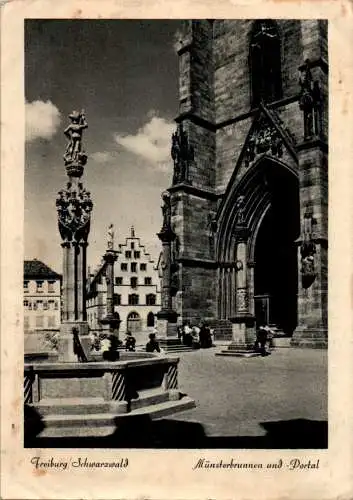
[[182, 154], [308, 250], [74, 213], [74, 155], [264, 139], [242, 300], [310, 101]]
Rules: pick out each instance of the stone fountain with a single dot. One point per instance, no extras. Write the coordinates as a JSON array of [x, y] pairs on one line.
[[78, 395]]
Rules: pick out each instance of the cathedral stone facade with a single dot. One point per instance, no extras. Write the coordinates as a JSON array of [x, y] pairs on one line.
[[249, 195]]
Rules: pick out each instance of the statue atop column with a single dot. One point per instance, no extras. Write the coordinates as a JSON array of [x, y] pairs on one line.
[[110, 240], [182, 155], [74, 153]]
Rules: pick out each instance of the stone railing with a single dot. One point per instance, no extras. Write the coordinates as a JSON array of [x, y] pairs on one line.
[[116, 383]]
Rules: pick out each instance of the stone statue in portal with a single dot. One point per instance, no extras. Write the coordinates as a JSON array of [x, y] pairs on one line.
[[74, 132]]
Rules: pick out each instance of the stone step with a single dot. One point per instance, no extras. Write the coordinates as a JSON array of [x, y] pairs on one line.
[[148, 398], [179, 348], [238, 354], [102, 424], [89, 406], [69, 406]]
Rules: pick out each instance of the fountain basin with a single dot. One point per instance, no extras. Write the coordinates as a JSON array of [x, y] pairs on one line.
[[85, 398]]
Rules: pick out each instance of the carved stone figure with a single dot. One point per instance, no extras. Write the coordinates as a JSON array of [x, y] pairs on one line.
[[310, 101], [182, 155], [308, 250], [240, 218], [74, 132], [110, 241], [166, 211]]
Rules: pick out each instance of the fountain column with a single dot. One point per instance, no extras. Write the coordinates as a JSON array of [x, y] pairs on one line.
[[167, 317], [74, 207], [111, 319]]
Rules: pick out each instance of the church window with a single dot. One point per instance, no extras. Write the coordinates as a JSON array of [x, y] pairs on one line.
[[265, 62]]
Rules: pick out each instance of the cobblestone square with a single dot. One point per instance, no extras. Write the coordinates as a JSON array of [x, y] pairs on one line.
[[234, 396]]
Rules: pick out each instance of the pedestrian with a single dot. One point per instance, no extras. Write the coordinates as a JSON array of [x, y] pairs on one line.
[[203, 336], [187, 337], [180, 333], [78, 349], [152, 345], [270, 334], [195, 332], [130, 342], [208, 338], [261, 339]]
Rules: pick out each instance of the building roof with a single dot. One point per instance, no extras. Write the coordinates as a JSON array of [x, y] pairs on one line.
[[37, 269]]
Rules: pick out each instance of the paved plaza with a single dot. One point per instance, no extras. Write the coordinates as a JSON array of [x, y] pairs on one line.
[[245, 398]]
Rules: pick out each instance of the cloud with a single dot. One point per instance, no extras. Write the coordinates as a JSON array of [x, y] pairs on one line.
[[42, 120], [102, 156], [151, 142]]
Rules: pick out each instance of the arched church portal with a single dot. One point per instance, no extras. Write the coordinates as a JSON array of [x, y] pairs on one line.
[[275, 252], [261, 281]]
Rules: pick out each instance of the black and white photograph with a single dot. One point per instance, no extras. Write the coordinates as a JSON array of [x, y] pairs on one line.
[[175, 275]]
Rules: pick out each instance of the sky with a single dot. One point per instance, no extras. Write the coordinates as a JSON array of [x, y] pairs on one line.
[[124, 74]]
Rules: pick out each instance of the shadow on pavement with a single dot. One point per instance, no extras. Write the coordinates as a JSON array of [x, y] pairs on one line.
[[142, 432]]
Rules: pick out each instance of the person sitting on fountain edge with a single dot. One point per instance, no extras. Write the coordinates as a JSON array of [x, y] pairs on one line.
[[152, 345], [130, 342]]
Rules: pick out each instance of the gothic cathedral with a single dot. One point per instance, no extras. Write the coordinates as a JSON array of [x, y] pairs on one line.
[[249, 197]]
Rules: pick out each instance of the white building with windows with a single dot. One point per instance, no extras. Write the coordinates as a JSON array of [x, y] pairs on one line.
[[41, 297], [136, 289]]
